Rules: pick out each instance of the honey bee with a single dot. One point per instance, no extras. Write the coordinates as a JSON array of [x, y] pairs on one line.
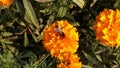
[[58, 29]]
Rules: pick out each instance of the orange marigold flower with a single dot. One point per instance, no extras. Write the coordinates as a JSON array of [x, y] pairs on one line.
[[107, 27], [60, 37], [69, 60], [5, 3]]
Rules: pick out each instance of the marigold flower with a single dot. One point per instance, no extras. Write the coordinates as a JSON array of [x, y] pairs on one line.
[[60, 37], [5, 3], [69, 60], [107, 27]]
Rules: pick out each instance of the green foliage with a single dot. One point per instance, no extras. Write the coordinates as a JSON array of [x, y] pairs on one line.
[[21, 30], [7, 60]]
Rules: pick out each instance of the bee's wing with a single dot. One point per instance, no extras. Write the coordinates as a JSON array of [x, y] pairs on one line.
[[57, 29]]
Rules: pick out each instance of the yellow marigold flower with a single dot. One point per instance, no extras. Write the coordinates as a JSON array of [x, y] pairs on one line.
[[69, 60], [60, 37], [5, 3], [107, 27]]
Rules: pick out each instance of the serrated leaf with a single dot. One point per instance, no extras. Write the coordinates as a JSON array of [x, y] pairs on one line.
[[7, 34], [25, 39], [30, 12], [80, 3]]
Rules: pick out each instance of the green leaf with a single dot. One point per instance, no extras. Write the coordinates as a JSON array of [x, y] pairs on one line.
[[33, 35], [1, 27], [86, 66], [62, 12], [6, 41], [25, 39], [117, 4], [2, 7], [30, 12], [13, 50], [99, 57], [27, 18], [90, 58], [43, 1], [42, 60], [28, 54], [80, 3], [2, 58], [7, 34], [20, 6]]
